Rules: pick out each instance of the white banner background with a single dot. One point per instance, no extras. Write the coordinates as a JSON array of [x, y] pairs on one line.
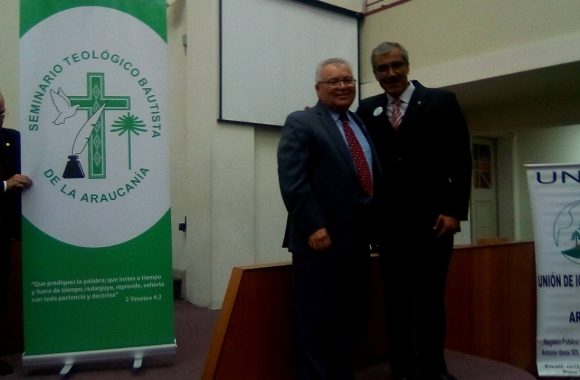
[[97, 280], [555, 199]]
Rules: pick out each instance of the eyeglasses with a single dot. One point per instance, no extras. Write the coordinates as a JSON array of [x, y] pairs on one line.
[[4, 114], [395, 66], [335, 82]]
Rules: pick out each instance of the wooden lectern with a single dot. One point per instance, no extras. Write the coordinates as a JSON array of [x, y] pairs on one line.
[[491, 304]]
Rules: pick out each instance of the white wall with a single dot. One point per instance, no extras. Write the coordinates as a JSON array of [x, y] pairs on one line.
[[441, 32], [224, 175], [232, 201], [463, 41], [353, 5], [537, 131], [9, 84], [231, 198], [545, 145]]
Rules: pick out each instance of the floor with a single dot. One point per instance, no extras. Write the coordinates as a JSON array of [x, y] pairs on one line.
[[194, 329]]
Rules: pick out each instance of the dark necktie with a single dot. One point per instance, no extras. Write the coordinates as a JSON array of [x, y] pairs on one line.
[[360, 162], [396, 115]]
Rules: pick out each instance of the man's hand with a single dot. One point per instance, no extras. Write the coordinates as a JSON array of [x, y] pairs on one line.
[[18, 182], [445, 226], [319, 240]]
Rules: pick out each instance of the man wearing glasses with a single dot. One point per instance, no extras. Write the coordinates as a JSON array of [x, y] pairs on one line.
[[328, 173], [11, 184], [422, 141]]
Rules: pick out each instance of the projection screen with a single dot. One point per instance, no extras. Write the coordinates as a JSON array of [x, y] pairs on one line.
[[269, 53]]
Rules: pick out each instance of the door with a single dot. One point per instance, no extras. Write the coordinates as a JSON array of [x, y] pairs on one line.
[[484, 222]]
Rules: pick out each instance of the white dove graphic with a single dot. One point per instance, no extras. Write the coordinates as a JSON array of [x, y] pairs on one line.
[[62, 104]]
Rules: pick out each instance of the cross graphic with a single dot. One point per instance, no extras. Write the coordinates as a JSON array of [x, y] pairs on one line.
[[91, 102]]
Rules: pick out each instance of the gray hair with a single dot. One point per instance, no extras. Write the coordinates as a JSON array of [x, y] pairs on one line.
[[330, 61], [387, 47]]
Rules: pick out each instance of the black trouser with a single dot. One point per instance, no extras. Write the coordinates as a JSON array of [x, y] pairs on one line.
[[415, 273], [330, 306], [4, 272]]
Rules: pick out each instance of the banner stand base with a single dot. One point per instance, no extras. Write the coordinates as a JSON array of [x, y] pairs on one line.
[[69, 359], [66, 369], [137, 362]]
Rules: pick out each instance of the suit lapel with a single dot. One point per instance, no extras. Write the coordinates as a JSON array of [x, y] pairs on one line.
[[3, 152], [335, 136], [415, 104], [379, 111]]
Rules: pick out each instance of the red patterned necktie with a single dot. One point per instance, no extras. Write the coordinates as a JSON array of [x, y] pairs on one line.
[[396, 115], [360, 161]]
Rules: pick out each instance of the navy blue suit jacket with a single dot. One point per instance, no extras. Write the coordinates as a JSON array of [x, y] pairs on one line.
[[319, 184]]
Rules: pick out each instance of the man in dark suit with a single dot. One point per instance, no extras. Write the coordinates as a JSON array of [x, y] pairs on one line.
[[327, 172], [423, 144], [11, 183]]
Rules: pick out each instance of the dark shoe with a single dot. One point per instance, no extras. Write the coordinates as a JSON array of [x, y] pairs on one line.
[[5, 368], [440, 376], [447, 376], [405, 377], [395, 377]]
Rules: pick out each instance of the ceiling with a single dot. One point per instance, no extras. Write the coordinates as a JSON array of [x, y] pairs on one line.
[[528, 86]]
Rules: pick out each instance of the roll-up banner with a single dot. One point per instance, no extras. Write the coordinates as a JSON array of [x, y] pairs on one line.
[[555, 200], [96, 236]]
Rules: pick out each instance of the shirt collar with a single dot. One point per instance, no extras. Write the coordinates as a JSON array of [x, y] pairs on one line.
[[405, 96], [336, 116]]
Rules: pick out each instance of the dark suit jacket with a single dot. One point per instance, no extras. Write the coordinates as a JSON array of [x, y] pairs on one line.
[[319, 184], [427, 161], [9, 165]]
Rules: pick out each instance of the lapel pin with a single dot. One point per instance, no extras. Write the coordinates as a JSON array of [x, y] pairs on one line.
[[7, 144], [378, 111]]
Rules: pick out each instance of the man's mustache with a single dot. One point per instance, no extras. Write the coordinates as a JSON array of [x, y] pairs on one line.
[[392, 80]]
